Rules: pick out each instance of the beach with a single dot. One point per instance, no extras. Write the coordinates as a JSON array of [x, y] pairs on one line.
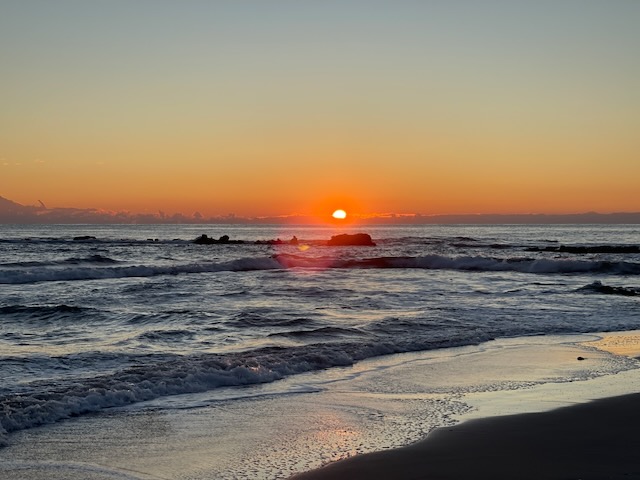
[[595, 440], [591, 439], [379, 405]]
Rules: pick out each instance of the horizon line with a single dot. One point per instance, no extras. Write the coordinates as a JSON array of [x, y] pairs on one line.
[[15, 213]]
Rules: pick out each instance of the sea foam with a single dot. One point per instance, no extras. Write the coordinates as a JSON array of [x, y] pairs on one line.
[[189, 374]]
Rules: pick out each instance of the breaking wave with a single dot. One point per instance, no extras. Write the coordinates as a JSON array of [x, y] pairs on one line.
[[33, 275], [91, 259], [280, 261], [181, 375], [478, 263]]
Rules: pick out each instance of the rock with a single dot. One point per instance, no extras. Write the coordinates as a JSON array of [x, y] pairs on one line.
[[277, 241], [206, 240], [580, 358], [84, 238], [346, 239]]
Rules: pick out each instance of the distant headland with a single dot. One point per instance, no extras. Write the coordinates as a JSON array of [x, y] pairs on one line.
[[14, 213]]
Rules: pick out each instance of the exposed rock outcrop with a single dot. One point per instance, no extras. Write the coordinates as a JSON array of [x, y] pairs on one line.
[[206, 240], [346, 239]]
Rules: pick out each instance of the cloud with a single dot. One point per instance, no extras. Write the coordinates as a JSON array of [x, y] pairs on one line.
[[15, 213]]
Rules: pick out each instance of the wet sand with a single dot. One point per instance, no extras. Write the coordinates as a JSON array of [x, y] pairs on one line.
[[596, 440], [599, 439], [282, 428]]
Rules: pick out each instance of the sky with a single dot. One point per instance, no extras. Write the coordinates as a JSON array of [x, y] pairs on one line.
[[266, 108]]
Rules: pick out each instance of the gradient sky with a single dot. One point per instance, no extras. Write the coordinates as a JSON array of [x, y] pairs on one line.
[[280, 107]]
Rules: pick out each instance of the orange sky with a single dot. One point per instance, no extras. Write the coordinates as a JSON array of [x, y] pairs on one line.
[[291, 107]]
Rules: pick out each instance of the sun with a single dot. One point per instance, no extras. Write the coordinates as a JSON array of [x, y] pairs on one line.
[[339, 214]]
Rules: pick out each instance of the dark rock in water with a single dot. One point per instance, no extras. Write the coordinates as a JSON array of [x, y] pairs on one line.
[[206, 240], [346, 239], [84, 238], [277, 241]]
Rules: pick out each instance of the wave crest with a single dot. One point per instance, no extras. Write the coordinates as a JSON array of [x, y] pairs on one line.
[[281, 261]]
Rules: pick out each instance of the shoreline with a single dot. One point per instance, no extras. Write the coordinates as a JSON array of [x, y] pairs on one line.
[[593, 440], [300, 423]]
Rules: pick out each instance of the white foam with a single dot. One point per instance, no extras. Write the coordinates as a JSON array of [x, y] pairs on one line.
[[33, 275], [277, 429], [429, 262], [466, 263], [182, 375]]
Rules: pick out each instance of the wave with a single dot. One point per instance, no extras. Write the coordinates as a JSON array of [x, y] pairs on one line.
[[323, 333], [166, 335], [43, 404], [477, 263], [89, 239], [43, 313], [599, 287], [100, 259], [584, 249], [34, 275], [155, 376], [255, 318], [91, 259], [280, 261]]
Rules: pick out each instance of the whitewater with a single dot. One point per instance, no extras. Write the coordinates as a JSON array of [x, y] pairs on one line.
[[97, 317]]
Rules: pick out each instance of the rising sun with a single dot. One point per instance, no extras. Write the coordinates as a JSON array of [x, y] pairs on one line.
[[339, 214]]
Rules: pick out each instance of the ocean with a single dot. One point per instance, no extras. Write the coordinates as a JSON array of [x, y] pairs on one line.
[[94, 318]]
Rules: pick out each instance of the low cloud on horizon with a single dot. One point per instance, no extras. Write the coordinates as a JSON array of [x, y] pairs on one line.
[[14, 213]]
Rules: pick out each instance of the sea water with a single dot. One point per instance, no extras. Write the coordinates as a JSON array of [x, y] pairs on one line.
[[97, 317]]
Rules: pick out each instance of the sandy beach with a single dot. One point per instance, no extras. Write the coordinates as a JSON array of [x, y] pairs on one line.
[[593, 440], [596, 440]]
